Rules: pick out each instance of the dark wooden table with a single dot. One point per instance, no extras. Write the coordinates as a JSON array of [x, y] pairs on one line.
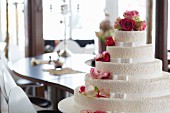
[[68, 82], [65, 82]]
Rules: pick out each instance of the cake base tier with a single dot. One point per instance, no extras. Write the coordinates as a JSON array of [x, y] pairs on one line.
[[68, 105]]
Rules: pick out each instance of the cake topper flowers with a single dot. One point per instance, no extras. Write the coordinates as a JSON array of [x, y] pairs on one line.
[[130, 22]]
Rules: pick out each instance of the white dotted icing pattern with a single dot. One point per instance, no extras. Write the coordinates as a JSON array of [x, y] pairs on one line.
[[132, 86], [137, 69], [131, 52], [124, 105], [130, 36]]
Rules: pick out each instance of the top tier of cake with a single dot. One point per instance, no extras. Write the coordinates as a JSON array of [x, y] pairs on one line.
[[130, 38]]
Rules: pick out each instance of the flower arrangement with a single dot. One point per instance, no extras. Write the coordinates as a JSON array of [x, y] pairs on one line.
[[106, 30], [130, 22], [93, 91], [88, 111], [98, 74]]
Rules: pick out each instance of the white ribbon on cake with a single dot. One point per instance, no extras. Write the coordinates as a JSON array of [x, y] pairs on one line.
[[128, 44], [120, 77], [131, 60]]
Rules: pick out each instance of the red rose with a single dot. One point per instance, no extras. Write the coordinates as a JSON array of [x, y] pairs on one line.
[[82, 89], [106, 57], [127, 24], [110, 41]]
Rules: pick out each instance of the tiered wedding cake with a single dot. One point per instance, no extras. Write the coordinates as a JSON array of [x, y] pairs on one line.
[[127, 78]]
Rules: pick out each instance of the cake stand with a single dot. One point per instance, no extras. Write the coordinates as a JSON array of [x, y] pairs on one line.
[[68, 105]]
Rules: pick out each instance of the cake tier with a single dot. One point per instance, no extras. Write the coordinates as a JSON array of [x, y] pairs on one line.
[[136, 38], [146, 70], [131, 54], [134, 88], [153, 104]]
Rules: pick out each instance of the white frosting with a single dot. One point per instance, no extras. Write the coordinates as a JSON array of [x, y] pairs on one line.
[[134, 88], [135, 54], [145, 70], [131, 36], [124, 105]]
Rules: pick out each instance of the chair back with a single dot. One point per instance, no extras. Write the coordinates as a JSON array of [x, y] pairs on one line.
[[15, 53], [19, 102], [71, 45], [7, 82]]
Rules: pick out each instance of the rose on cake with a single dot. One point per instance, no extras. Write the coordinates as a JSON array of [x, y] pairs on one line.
[[95, 74], [104, 57], [130, 22], [93, 91]]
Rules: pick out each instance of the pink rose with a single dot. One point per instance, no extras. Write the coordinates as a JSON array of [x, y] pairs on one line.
[[104, 93], [116, 24], [143, 25], [94, 73], [131, 14], [127, 24], [140, 26], [98, 74]]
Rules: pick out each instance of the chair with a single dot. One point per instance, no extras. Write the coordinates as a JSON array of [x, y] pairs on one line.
[[19, 102], [71, 45], [17, 98], [74, 47], [14, 54], [7, 83]]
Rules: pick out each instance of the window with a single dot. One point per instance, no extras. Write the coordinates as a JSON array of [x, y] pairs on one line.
[[15, 20], [82, 19]]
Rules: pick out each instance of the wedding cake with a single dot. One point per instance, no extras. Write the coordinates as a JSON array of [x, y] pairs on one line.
[[126, 79]]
